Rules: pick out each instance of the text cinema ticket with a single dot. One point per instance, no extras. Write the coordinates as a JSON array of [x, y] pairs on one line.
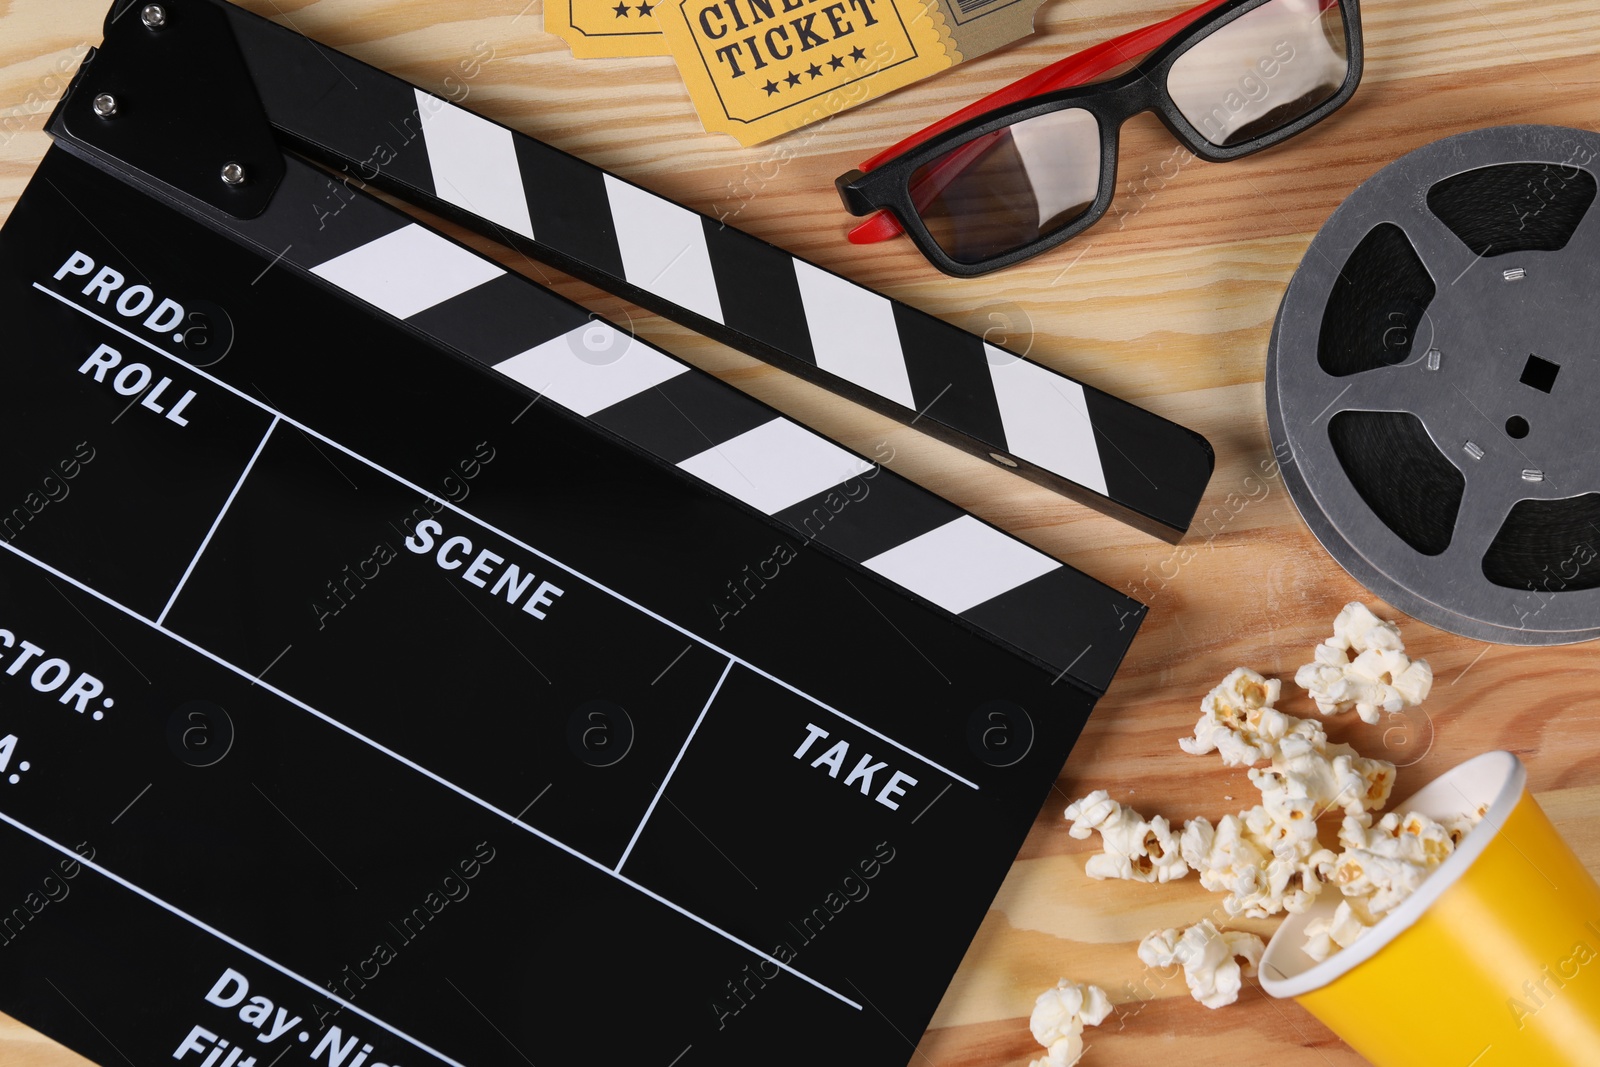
[[760, 68]]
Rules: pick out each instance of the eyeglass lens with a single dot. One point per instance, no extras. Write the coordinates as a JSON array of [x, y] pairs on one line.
[[1262, 71], [1006, 189]]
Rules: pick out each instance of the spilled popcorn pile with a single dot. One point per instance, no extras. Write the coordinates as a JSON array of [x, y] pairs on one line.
[[1270, 859]]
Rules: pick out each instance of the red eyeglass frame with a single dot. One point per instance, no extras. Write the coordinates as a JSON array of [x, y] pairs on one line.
[[1065, 74]]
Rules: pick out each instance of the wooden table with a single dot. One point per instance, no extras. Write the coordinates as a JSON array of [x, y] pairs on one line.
[[1171, 311]]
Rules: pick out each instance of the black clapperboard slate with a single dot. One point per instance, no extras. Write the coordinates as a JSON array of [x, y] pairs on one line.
[[400, 666]]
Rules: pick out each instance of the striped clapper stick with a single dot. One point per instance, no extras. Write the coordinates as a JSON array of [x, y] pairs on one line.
[[378, 128], [714, 435]]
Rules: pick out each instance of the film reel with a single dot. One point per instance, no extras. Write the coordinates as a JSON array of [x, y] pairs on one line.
[[1433, 385]]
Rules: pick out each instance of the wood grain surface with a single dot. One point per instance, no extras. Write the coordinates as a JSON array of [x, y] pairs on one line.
[[1168, 306]]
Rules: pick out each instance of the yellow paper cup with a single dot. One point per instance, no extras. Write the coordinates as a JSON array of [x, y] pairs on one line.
[[1493, 962]]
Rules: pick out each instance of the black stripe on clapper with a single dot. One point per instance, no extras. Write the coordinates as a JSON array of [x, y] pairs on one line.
[[949, 372], [497, 320], [1045, 618], [868, 515], [759, 291], [341, 225], [683, 416], [1153, 466], [578, 222]]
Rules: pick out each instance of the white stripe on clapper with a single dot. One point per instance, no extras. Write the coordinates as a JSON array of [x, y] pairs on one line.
[[474, 164], [408, 271], [663, 248], [962, 564], [1046, 419], [853, 333], [775, 466], [591, 367]]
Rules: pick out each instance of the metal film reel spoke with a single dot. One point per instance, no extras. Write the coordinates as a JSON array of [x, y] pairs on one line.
[[1447, 258]]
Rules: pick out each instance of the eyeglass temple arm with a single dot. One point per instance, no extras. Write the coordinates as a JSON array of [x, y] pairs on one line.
[[1075, 69]]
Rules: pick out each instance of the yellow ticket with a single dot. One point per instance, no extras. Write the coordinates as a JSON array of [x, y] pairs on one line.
[[596, 29], [760, 68]]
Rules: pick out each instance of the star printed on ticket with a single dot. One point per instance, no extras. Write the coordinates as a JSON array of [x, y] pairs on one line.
[[757, 69], [606, 29], [760, 68]]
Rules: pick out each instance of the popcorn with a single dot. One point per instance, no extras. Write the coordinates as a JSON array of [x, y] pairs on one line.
[[1209, 957], [1059, 1017], [1066, 1010], [1063, 1053], [1238, 720], [1305, 782], [1277, 837], [1134, 848], [1381, 866], [1380, 678], [1387, 863], [1324, 937], [1358, 628], [1458, 826], [1263, 866]]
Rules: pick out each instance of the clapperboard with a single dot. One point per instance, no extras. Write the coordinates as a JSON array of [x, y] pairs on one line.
[[401, 666]]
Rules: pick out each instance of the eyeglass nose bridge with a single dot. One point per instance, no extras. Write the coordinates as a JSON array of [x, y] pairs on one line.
[[1127, 97]]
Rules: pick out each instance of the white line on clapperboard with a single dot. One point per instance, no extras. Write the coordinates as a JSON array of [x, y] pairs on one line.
[[397, 757], [501, 533], [214, 932], [675, 761], [226, 504]]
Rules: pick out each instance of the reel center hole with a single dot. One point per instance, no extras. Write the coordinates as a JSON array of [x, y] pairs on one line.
[[1540, 374]]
